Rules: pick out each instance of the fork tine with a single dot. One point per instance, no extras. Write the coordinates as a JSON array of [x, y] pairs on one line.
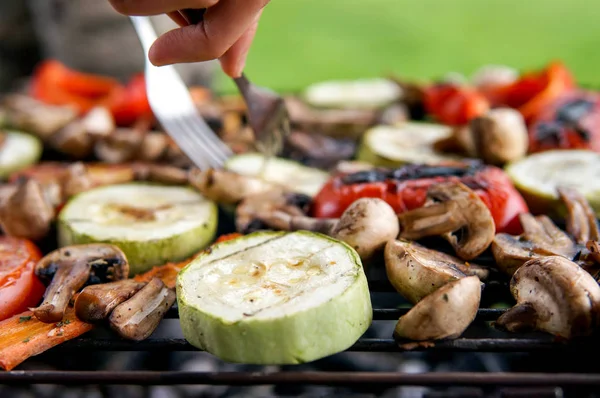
[[218, 149], [182, 141], [193, 140]]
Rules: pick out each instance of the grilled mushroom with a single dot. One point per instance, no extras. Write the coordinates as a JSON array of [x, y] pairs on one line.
[[138, 317], [226, 187], [73, 140], [98, 122], [26, 213], [163, 174], [548, 238], [366, 225], [27, 114], [271, 209], [67, 269], [581, 220], [456, 213], [553, 295], [416, 271], [122, 145], [96, 302], [500, 136], [318, 150], [444, 314]]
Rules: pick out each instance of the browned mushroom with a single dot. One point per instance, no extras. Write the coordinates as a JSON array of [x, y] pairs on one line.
[[581, 221], [416, 271], [27, 114], [138, 317], [454, 212], [68, 269], [226, 187], [96, 302], [337, 123], [163, 174], [318, 150], [366, 225], [26, 213], [122, 145], [98, 122], [500, 136], [548, 238], [73, 140], [444, 314], [553, 295]]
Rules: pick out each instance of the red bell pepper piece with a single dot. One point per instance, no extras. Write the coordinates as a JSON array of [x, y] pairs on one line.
[[130, 103], [406, 189], [454, 105]]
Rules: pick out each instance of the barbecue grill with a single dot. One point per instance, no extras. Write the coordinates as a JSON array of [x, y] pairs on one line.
[[541, 365]]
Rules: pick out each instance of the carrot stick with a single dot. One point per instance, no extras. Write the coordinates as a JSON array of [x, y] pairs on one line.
[[23, 336]]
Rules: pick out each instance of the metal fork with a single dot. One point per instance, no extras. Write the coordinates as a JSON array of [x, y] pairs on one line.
[[174, 108]]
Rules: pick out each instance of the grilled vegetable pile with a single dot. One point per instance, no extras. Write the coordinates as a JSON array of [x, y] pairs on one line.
[[106, 223]]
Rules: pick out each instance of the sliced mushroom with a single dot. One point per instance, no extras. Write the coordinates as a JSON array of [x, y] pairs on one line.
[[459, 142], [26, 213], [73, 140], [581, 220], [456, 213], [553, 295], [416, 271], [271, 209], [163, 174], [366, 225], [317, 150], [122, 145], [67, 269], [75, 180], [226, 187], [500, 136], [444, 314], [96, 302], [337, 123], [153, 147], [138, 317], [25, 113], [511, 252], [548, 238], [98, 122]]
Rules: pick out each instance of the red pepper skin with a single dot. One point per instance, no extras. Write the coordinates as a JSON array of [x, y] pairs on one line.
[[535, 90], [572, 121], [130, 103], [490, 183], [454, 105]]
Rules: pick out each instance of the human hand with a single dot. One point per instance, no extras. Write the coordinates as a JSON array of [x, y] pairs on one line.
[[226, 32]]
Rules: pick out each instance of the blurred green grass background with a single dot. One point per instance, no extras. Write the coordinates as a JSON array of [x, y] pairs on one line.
[[305, 41]]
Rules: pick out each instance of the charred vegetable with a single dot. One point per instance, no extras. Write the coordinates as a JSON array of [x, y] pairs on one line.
[[67, 270]]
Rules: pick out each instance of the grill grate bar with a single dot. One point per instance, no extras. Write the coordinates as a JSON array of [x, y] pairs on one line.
[[392, 314], [362, 345], [313, 378]]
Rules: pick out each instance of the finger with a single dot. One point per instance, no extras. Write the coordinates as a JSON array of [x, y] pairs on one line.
[[156, 7], [234, 60], [223, 25]]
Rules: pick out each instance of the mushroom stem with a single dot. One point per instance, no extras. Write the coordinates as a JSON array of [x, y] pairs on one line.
[[433, 220], [68, 279], [581, 220], [454, 212], [518, 319], [138, 317], [548, 238], [96, 302]]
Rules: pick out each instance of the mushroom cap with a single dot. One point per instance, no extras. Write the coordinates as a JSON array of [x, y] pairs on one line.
[[367, 225], [511, 252], [108, 262], [566, 298], [416, 271], [445, 313], [500, 136]]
